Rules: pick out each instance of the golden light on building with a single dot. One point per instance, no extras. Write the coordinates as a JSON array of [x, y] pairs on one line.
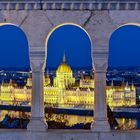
[[65, 93], [64, 75]]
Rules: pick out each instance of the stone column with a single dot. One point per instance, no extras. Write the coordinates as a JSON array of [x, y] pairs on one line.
[[101, 123], [37, 62]]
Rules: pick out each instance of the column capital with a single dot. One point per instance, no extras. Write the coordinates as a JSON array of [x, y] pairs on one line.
[[37, 58], [100, 59]]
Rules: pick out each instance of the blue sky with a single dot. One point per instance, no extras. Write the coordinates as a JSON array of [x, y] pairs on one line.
[[74, 42], [13, 49], [124, 48]]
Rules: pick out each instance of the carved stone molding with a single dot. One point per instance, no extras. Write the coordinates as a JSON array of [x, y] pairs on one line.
[[69, 5], [100, 57], [37, 59]]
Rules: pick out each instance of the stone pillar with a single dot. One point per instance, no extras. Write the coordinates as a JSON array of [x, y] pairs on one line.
[[37, 62], [101, 123]]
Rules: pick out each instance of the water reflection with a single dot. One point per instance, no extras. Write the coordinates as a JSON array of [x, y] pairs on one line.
[[71, 120], [127, 124]]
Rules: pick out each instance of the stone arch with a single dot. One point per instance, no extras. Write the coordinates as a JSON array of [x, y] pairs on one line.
[[71, 24], [63, 24], [124, 52]]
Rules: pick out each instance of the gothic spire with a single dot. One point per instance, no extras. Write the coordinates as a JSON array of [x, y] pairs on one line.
[[64, 58]]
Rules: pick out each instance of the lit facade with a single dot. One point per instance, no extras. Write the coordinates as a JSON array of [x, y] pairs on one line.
[[123, 95], [13, 94], [87, 82], [63, 93], [6, 91], [64, 75]]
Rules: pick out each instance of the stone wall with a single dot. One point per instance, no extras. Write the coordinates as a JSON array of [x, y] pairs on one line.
[[99, 24], [68, 135], [70, 5], [100, 19]]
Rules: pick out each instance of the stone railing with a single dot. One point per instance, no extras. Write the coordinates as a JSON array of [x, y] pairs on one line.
[[69, 5]]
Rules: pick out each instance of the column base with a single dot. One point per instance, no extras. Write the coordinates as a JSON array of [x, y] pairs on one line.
[[37, 124], [100, 126]]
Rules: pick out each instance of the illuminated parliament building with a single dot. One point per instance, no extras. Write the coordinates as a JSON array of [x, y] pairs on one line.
[[66, 93]]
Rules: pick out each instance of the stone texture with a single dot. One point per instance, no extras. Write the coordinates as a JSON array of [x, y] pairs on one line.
[[69, 5], [68, 135], [37, 62], [101, 123], [100, 19]]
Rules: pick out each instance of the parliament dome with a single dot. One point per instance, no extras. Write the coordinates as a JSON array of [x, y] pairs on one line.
[[64, 75], [64, 68]]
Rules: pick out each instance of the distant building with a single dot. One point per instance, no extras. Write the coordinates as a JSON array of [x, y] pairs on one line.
[[123, 95], [65, 92], [64, 75], [86, 82], [138, 95]]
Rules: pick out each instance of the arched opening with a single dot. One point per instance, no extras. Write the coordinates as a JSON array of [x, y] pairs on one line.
[[65, 33], [14, 48], [69, 73], [123, 69], [14, 68]]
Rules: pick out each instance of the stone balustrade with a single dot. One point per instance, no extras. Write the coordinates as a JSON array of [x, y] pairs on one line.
[[69, 5]]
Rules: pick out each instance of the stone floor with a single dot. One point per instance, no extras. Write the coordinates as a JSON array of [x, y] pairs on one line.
[[17, 134]]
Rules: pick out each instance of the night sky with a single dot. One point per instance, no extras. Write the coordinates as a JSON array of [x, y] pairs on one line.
[[72, 41], [13, 49], [124, 48]]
